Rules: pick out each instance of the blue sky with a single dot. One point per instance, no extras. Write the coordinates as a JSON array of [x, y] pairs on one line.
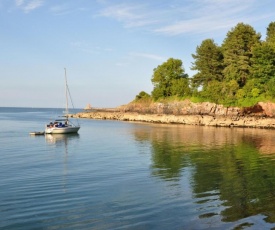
[[109, 47]]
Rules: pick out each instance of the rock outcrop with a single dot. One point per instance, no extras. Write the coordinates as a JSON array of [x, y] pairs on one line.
[[262, 115], [187, 107]]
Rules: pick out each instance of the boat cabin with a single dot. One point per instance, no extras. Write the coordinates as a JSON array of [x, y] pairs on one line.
[[58, 123]]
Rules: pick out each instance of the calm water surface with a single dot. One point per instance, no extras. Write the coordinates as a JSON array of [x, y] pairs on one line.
[[119, 175]]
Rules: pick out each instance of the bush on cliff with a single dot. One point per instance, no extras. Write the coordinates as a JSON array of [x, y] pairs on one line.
[[142, 96]]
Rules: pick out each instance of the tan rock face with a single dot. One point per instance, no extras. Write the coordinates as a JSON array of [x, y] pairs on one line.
[[205, 108], [268, 108], [262, 115]]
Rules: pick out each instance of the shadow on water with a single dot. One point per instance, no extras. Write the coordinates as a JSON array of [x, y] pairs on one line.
[[232, 167]]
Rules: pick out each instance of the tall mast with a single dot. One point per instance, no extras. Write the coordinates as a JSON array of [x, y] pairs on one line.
[[66, 93]]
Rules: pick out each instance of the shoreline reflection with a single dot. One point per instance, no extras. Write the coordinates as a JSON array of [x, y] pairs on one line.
[[231, 162]]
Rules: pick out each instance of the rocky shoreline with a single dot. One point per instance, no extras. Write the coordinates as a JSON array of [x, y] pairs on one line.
[[202, 120], [261, 115]]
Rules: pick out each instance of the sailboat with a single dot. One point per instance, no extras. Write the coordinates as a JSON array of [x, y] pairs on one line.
[[63, 126]]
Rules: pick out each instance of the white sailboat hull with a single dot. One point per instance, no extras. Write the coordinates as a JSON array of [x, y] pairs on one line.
[[61, 130]]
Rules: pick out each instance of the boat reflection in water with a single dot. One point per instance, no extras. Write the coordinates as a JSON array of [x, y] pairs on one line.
[[62, 147], [60, 138]]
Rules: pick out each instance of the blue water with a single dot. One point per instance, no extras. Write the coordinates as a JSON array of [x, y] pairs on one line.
[[122, 175]]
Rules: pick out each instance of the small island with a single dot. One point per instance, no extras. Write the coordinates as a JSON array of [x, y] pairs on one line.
[[234, 86]]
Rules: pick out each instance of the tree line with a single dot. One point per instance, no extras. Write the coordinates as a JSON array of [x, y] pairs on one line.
[[240, 72]]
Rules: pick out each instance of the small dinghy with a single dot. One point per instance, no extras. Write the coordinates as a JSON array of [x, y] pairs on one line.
[[37, 133]]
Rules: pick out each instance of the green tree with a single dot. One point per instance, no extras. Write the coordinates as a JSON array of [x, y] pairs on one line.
[[252, 88], [270, 33], [165, 77], [271, 87], [180, 87], [237, 52], [263, 62], [213, 92], [208, 62], [230, 90]]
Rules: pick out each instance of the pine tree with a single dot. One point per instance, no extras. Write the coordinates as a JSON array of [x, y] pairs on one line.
[[270, 34], [208, 63], [237, 51]]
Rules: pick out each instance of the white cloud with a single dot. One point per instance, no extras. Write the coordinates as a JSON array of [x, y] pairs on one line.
[[19, 2], [149, 56], [134, 55], [184, 17], [28, 5], [33, 5], [197, 26], [133, 15], [209, 15]]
